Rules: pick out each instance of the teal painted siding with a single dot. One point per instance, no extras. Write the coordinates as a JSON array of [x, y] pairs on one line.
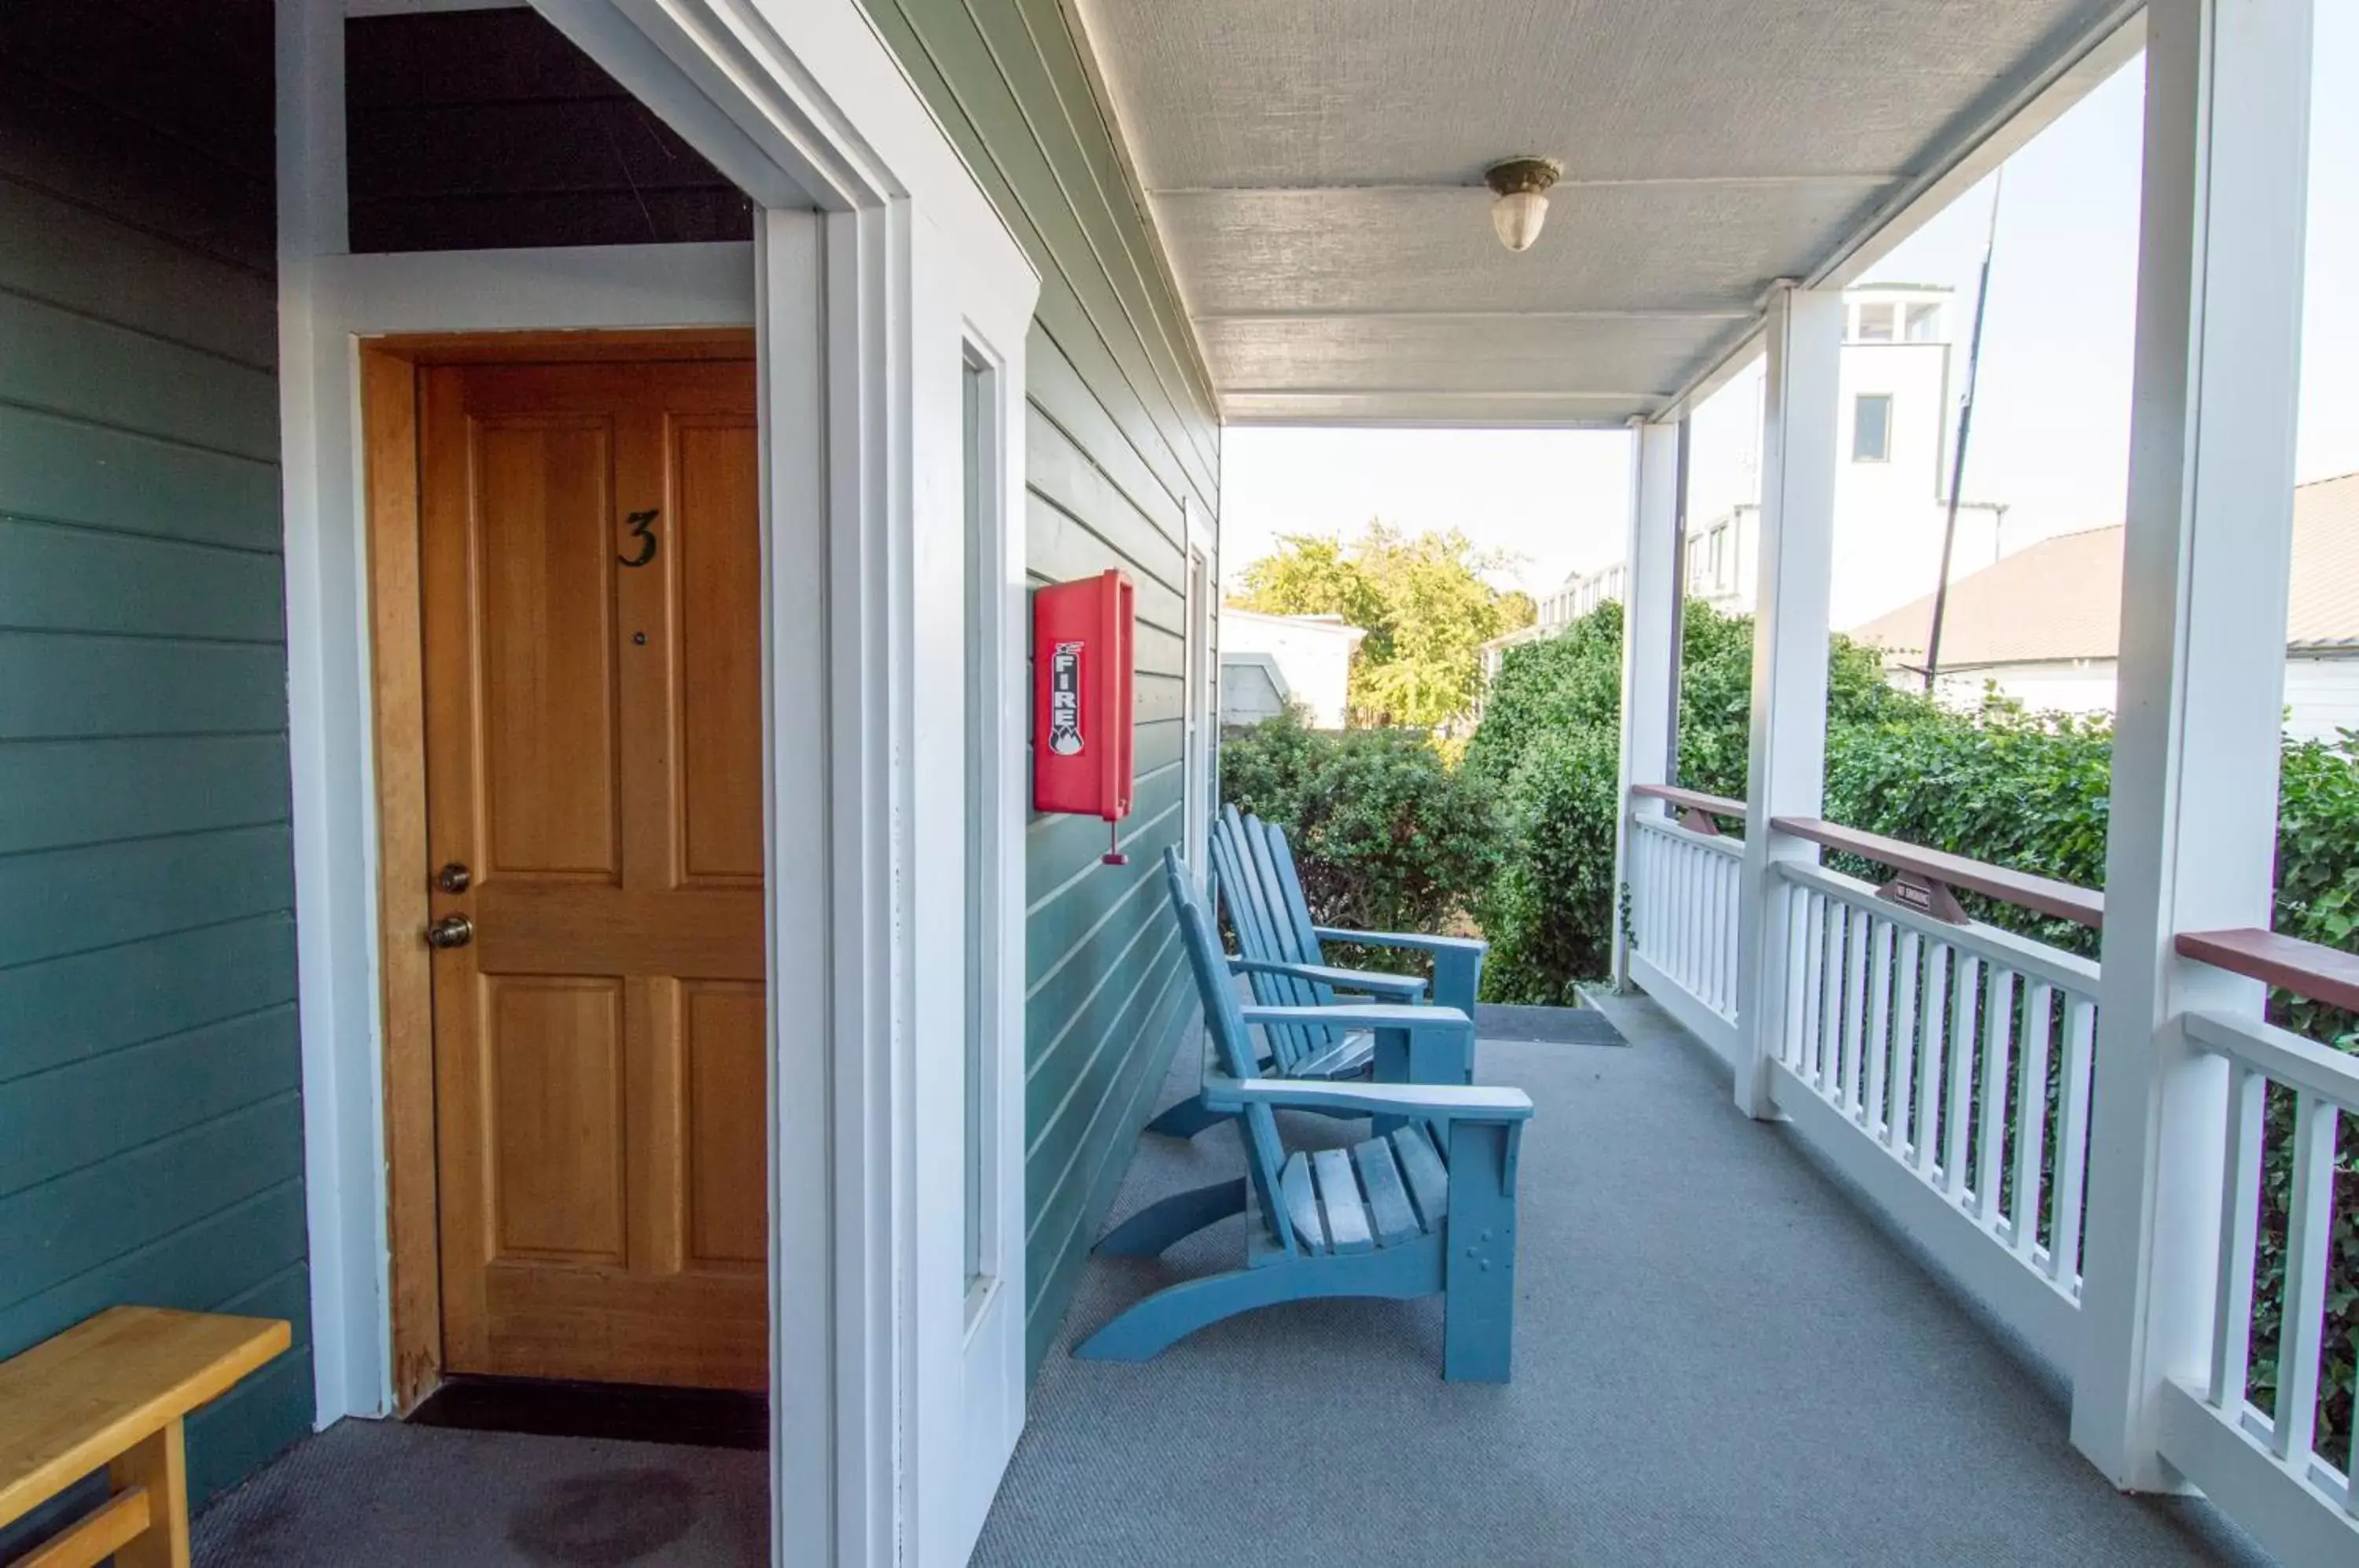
[[1122, 435], [150, 1118]]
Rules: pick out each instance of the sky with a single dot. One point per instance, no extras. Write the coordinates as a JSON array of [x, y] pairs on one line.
[[2052, 415]]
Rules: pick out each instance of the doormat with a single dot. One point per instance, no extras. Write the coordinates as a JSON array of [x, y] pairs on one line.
[[1546, 1025], [704, 1418]]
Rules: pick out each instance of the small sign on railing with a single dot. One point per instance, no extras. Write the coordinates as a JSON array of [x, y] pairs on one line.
[[1925, 896]]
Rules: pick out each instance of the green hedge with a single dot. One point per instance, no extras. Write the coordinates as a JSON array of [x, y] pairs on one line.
[[1387, 836]]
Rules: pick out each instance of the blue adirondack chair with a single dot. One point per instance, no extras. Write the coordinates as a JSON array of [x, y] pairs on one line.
[[1425, 1207], [1320, 1047]]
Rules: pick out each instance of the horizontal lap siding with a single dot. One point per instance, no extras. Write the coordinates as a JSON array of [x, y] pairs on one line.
[[1120, 439], [150, 1110]]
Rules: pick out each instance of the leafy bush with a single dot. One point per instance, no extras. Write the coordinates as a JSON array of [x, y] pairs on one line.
[[1549, 912], [1550, 742], [1388, 835], [2028, 792]]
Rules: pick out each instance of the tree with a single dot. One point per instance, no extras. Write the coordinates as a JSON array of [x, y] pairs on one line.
[[1422, 599]]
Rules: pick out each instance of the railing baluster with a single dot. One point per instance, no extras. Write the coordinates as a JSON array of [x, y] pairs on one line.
[[1998, 1031], [1797, 918], [2300, 1327], [1903, 1044], [1725, 937], [1957, 1117], [1879, 1039], [1826, 1054], [1666, 912], [1707, 931], [2071, 1157], [1854, 999], [1641, 887], [2240, 1218], [1803, 1047], [2031, 1116], [1934, 1010], [1685, 940]]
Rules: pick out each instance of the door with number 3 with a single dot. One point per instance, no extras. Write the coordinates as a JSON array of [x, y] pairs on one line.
[[592, 609]]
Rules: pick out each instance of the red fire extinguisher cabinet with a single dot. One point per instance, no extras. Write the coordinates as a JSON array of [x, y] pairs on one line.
[[1082, 655]]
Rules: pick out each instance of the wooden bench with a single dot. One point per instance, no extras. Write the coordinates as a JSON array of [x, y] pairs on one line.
[[112, 1391]]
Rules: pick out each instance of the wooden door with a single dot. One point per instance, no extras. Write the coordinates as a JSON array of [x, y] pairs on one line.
[[592, 609]]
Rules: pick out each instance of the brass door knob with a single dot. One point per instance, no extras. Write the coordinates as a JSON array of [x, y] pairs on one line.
[[450, 930]]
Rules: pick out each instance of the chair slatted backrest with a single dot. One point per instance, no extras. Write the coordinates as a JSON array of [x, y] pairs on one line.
[[1249, 911], [1293, 939], [1293, 909], [1265, 1155]]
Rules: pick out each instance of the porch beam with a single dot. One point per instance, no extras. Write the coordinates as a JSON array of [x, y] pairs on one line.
[[2204, 582], [1651, 611], [1787, 755]]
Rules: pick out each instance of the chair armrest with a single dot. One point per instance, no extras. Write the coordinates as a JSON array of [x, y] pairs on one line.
[[1368, 1016], [1416, 1102], [1372, 983], [1403, 939]]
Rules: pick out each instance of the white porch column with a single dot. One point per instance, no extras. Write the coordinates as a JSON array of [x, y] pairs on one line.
[[1651, 596], [2202, 675], [1787, 756]]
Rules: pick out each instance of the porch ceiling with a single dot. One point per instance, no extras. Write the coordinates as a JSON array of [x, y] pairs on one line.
[[1316, 175]]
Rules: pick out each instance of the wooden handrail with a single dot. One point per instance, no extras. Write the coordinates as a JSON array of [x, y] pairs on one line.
[[2325, 974], [2063, 900], [1692, 799]]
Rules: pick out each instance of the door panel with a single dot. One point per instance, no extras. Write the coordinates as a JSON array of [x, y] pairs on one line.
[[555, 1066], [590, 596], [546, 677]]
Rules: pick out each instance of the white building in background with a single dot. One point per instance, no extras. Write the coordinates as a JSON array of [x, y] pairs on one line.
[[1271, 662], [2043, 625], [1902, 370]]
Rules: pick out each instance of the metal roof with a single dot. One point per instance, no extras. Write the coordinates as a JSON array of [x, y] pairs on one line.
[[2057, 600], [1314, 169]]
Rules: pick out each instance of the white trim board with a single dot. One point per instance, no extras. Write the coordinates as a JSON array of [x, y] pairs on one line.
[[860, 307], [325, 309]]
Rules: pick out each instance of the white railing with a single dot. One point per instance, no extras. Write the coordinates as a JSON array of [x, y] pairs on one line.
[[2266, 1468], [1682, 922], [1944, 1067]]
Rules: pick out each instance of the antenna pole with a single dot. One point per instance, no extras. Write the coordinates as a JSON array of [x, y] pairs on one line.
[[1966, 429]]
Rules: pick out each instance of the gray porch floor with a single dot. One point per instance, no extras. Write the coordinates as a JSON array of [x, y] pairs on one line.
[[1719, 1360]]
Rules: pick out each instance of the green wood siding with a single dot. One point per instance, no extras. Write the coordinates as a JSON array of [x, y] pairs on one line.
[[1121, 436], [150, 1115]]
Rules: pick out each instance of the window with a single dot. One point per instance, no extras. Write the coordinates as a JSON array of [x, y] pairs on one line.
[[1875, 324], [1871, 428], [1924, 323]]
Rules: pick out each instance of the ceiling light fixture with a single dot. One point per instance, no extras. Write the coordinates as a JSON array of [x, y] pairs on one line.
[[1522, 207]]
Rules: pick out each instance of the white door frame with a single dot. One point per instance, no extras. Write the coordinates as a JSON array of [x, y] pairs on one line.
[[1201, 692], [877, 257]]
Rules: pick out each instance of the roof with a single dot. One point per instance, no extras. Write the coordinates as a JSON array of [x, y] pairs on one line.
[[1315, 175], [1334, 625], [2036, 606]]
